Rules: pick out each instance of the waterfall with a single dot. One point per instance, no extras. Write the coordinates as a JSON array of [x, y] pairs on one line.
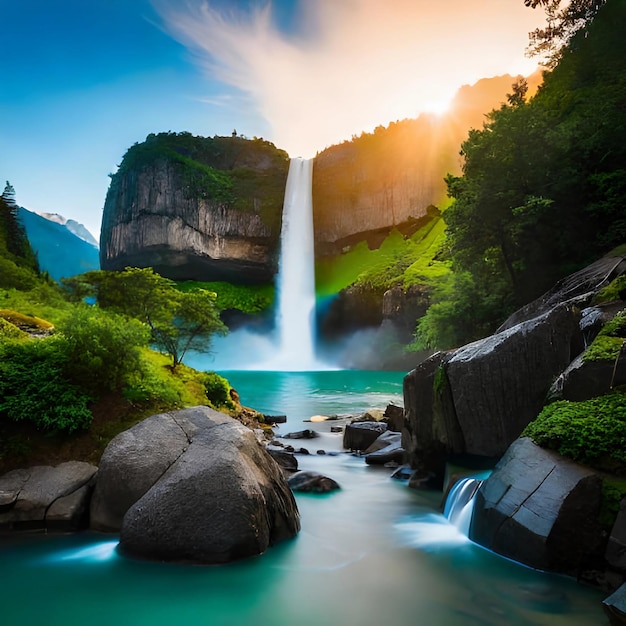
[[460, 503], [295, 310]]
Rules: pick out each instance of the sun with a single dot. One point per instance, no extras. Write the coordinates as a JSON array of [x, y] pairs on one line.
[[438, 107]]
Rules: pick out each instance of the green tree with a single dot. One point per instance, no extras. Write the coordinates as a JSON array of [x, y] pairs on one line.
[[12, 234], [179, 321]]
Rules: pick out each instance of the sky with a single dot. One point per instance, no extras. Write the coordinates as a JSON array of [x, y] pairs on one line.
[[83, 80]]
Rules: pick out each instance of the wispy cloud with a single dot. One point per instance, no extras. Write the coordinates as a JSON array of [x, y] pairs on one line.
[[352, 64]]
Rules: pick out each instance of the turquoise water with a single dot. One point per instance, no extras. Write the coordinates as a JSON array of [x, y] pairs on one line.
[[374, 552]]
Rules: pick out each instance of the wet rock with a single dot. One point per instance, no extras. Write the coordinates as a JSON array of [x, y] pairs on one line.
[[313, 482], [45, 497], [386, 449], [286, 460], [307, 433], [540, 509], [394, 416], [223, 498], [361, 435]]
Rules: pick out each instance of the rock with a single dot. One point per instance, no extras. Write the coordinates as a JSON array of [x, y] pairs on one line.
[[615, 606], [275, 419], [371, 415], [477, 399], [578, 289], [542, 510], [616, 547], [394, 415], [404, 472], [154, 217], [222, 498], [403, 306], [308, 481], [285, 459], [132, 463], [361, 435], [45, 497], [307, 433], [318, 418], [583, 380], [336, 429], [386, 449]]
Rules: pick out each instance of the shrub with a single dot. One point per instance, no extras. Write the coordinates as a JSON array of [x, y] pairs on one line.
[[217, 390], [102, 347], [34, 388]]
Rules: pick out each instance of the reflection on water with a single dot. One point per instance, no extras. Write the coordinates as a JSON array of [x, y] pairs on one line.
[[371, 553]]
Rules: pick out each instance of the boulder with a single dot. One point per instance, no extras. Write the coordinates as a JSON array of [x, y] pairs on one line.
[[394, 416], [577, 289], [386, 449], [477, 399], [46, 498], [132, 463], [221, 498], [361, 435], [542, 510], [583, 380], [286, 460], [313, 482]]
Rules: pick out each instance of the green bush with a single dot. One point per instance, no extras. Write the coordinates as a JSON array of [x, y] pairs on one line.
[[592, 432], [34, 387], [102, 347], [217, 390]]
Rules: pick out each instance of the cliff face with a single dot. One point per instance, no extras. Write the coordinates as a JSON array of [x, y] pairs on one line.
[[167, 213], [376, 182], [381, 179]]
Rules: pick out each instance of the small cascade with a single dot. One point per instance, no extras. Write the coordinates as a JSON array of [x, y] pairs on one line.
[[460, 503]]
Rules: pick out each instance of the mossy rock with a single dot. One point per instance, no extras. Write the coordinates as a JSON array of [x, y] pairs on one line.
[[28, 323]]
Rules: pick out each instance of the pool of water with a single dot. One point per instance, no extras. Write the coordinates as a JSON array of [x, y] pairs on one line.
[[374, 552]]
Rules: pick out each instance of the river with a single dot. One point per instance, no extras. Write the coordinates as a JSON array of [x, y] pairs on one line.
[[374, 552]]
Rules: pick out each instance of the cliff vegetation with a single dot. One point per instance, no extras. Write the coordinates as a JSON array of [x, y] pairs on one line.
[[543, 187]]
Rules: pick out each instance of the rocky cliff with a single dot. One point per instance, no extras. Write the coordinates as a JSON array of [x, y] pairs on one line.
[[196, 208], [382, 179], [477, 399]]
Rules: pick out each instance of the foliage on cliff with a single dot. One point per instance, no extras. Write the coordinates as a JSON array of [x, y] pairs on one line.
[[543, 188], [248, 174]]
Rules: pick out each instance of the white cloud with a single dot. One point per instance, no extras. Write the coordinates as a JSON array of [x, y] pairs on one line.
[[353, 64]]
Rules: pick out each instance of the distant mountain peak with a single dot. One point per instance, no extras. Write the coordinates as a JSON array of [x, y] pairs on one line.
[[73, 226]]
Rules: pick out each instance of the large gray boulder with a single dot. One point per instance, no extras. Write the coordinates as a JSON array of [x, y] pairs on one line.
[[477, 399], [47, 498], [541, 509], [209, 495]]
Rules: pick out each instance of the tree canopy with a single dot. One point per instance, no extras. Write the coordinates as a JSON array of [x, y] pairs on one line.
[[543, 186], [178, 321]]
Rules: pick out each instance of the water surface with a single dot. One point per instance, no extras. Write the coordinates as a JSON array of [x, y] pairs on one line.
[[373, 553]]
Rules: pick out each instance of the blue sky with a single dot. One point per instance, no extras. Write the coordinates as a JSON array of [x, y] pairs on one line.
[[82, 80]]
